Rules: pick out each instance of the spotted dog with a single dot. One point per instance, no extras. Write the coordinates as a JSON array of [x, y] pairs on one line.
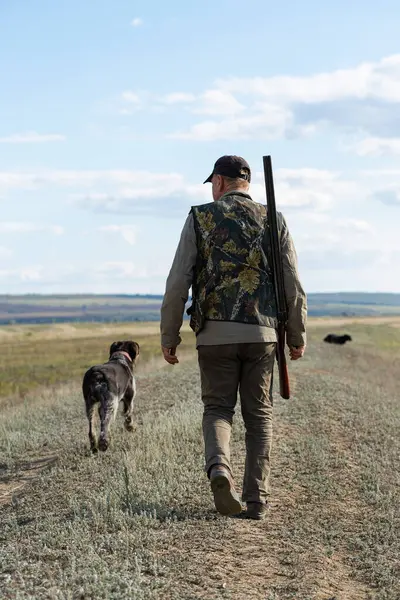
[[106, 385]]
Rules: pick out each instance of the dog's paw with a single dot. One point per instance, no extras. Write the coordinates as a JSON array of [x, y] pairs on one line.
[[128, 425], [103, 445]]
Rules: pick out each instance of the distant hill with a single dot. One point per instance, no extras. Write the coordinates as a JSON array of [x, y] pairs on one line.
[[36, 308], [353, 304]]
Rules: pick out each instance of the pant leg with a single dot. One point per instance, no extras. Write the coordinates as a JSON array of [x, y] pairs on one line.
[[219, 372], [256, 404]]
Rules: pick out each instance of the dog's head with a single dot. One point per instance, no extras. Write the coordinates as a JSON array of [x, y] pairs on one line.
[[347, 338], [132, 348]]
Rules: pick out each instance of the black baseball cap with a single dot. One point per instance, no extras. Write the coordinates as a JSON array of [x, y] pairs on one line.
[[231, 166]]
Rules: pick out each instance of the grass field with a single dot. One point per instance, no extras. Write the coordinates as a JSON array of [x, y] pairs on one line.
[[138, 522], [41, 355]]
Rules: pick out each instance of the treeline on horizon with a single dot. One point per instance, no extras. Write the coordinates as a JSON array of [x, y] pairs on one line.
[[107, 308]]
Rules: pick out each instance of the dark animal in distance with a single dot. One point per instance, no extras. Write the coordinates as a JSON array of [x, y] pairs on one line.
[[332, 338], [106, 385]]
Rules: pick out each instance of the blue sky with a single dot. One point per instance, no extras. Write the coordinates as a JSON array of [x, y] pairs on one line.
[[113, 113]]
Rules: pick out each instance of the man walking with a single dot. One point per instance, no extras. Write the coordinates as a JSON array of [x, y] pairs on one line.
[[223, 256]]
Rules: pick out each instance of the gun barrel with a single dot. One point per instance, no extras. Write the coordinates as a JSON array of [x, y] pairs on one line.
[[277, 268], [275, 244]]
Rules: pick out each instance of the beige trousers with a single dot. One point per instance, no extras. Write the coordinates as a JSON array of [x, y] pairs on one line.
[[224, 371]]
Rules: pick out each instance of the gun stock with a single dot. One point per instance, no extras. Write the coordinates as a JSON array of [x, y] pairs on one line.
[[284, 386]]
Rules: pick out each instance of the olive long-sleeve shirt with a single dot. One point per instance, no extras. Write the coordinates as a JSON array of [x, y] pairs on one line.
[[180, 280]]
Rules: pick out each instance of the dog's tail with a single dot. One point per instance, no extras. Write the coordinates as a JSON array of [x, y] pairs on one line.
[[100, 389], [103, 395], [98, 383]]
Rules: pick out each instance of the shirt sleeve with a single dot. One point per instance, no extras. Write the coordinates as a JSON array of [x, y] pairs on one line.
[[178, 284], [296, 298]]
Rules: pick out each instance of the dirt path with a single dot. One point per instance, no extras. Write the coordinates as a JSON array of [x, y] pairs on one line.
[[13, 482]]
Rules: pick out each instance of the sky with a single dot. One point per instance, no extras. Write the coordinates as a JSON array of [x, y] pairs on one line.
[[113, 113]]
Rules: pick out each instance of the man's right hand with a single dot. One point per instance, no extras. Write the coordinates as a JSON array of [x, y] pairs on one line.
[[296, 352], [170, 355]]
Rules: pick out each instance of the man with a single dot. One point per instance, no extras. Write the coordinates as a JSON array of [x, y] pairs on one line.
[[224, 255]]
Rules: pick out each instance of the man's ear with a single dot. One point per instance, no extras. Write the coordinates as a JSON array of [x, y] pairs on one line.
[[220, 183], [115, 346]]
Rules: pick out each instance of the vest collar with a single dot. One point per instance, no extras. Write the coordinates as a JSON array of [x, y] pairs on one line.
[[236, 193]]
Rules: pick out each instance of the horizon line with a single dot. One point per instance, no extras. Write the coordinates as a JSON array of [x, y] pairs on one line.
[[161, 294]]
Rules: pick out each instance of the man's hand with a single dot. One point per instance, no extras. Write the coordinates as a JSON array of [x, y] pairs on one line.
[[296, 352], [169, 355]]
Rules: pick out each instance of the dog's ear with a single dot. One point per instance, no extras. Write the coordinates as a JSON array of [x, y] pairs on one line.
[[133, 350], [115, 346]]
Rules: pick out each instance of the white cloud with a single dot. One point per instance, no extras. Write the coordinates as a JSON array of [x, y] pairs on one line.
[[210, 102], [131, 97], [356, 226], [24, 227], [144, 192], [137, 22], [344, 253], [25, 274], [218, 102], [109, 277], [31, 273], [363, 98], [178, 98], [329, 233], [170, 194], [127, 232], [375, 146], [31, 180], [374, 80], [17, 227], [315, 189], [388, 196], [272, 123], [132, 102], [31, 137], [119, 270], [166, 194], [5, 252]]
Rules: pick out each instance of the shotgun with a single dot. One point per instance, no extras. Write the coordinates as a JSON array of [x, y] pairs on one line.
[[277, 269]]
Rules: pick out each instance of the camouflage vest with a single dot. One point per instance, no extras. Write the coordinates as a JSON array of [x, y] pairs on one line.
[[233, 275]]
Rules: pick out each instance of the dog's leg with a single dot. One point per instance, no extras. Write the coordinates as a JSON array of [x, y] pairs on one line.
[[107, 409], [128, 401], [90, 416], [128, 409]]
